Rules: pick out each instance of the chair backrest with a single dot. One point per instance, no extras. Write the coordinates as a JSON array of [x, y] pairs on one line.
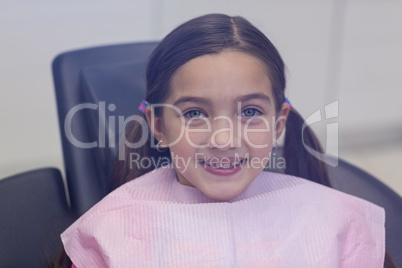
[[34, 212], [94, 87], [115, 75]]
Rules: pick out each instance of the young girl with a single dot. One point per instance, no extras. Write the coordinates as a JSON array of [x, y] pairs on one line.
[[215, 106]]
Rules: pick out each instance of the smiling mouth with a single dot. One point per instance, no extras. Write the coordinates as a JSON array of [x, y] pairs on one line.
[[218, 165]]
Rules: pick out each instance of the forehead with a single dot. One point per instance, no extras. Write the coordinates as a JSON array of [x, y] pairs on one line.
[[221, 77]]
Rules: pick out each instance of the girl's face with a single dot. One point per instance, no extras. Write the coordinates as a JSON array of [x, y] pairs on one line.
[[222, 133]]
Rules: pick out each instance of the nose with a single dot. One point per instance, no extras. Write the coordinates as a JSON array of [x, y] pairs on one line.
[[223, 134]]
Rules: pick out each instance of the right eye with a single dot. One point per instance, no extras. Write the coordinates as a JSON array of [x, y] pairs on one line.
[[194, 114]]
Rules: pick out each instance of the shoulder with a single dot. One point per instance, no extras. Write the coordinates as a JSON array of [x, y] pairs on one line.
[[154, 185], [123, 205], [354, 227], [303, 190]]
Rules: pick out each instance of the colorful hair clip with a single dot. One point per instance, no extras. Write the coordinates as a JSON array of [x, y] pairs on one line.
[[143, 106], [288, 102]]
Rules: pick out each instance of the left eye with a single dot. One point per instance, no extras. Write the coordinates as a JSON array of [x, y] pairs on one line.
[[250, 112], [194, 114]]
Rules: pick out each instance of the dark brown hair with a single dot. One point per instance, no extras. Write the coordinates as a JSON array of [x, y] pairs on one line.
[[212, 34]]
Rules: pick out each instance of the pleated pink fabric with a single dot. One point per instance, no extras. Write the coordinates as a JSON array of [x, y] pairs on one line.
[[277, 221]]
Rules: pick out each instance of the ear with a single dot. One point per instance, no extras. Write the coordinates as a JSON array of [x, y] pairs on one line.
[[155, 124], [281, 118]]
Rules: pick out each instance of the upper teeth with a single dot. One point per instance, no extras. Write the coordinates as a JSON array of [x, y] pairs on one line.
[[221, 165]]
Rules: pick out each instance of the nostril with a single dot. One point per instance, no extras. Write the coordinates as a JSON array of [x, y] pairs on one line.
[[224, 133], [222, 139]]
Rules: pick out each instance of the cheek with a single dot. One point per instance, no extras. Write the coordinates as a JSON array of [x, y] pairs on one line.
[[259, 157], [258, 140], [258, 135], [182, 154], [173, 131], [196, 139]]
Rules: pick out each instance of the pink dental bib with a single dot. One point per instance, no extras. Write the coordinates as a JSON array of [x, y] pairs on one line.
[[277, 221]]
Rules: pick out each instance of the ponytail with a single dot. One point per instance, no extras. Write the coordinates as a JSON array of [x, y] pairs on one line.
[[299, 162]]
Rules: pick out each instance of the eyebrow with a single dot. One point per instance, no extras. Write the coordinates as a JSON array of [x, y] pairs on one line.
[[254, 96], [191, 99], [206, 101]]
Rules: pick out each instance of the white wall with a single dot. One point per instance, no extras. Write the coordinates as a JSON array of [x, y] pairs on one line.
[[32, 33], [349, 51]]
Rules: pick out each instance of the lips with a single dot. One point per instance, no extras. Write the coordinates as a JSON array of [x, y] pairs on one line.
[[223, 162]]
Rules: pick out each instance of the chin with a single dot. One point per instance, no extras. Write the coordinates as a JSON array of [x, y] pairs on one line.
[[222, 194]]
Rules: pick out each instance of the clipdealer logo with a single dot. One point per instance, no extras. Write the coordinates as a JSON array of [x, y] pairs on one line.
[[331, 111], [332, 141]]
